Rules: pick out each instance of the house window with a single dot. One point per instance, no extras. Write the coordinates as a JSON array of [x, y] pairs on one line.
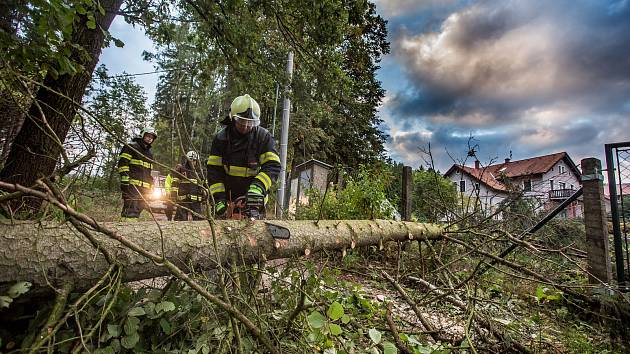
[[462, 186], [562, 185], [562, 169], [572, 187], [455, 185], [551, 184], [476, 186], [527, 185]]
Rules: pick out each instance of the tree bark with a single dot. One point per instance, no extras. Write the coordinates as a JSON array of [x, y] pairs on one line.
[[49, 253], [35, 152]]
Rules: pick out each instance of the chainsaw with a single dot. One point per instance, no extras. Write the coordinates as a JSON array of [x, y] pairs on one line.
[[239, 210]]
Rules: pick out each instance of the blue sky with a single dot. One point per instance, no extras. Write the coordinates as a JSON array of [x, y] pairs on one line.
[[530, 77], [128, 59]]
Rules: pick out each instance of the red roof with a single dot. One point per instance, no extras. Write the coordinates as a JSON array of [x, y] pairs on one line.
[[491, 174], [625, 189], [483, 175]]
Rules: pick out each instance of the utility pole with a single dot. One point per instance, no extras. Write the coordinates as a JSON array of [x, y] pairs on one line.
[[275, 108], [284, 138]]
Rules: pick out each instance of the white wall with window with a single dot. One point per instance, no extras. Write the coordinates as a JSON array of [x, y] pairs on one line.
[[475, 194]]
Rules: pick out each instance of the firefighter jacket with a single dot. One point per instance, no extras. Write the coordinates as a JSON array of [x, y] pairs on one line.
[[134, 167], [190, 184], [236, 161], [171, 185]]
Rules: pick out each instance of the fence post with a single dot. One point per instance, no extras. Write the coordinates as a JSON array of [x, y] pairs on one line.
[[598, 249], [406, 193]]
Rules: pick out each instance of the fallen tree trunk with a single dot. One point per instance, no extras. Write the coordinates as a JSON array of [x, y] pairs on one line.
[[46, 253]]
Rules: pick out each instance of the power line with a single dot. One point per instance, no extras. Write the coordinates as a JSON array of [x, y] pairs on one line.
[[144, 73]]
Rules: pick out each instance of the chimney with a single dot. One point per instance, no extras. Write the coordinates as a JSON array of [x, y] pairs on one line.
[[507, 160], [476, 164]]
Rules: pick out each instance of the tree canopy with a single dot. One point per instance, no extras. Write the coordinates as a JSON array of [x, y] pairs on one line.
[[215, 51], [208, 53]]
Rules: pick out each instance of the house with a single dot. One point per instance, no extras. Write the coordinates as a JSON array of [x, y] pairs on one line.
[[623, 190], [312, 174], [545, 180]]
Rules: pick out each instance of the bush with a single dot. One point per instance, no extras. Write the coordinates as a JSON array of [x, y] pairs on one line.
[[363, 197]]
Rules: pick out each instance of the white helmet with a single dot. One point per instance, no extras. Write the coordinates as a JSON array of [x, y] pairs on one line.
[[148, 130], [245, 111], [192, 155]]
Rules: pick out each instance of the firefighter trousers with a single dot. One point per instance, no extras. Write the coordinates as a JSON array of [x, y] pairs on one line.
[[184, 206], [132, 207]]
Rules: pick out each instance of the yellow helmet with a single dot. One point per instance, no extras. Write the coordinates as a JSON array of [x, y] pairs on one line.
[[245, 110]]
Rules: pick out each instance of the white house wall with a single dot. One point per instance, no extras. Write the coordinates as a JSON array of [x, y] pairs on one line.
[[488, 198], [568, 177]]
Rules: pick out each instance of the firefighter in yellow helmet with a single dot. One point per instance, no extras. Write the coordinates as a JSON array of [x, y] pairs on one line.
[[134, 166], [243, 160]]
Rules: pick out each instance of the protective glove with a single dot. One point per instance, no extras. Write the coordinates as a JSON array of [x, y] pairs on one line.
[[255, 196], [220, 208]]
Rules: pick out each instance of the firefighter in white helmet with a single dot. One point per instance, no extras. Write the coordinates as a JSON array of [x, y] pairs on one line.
[[190, 194], [134, 166], [243, 159]]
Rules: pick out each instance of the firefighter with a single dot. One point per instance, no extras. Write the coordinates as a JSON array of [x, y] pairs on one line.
[[171, 185], [243, 160], [191, 191], [134, 167]]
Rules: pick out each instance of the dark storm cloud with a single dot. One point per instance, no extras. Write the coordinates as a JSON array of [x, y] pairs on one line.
[[516, 54], [451, 144], [530, 76]]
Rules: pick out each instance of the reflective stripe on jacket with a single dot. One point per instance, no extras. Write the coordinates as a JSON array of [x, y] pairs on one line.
[[134, 165], [191, 187], [236, 161]]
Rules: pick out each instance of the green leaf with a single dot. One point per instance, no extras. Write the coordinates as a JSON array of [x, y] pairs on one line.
[[131, 325], [115, 344], [164, 306], [389, 348], [91, 24], [335, 329], [540, 293], [345, 319], [130, 341], [5, 301], [149, 309], [316, 319], [118, 43], [113, 330], [106, 350], [375, 335], [166, 326], [136, 311], [335, 311], [19, 288]]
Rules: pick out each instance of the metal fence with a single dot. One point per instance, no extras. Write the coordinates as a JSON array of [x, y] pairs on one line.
[[618, 167]]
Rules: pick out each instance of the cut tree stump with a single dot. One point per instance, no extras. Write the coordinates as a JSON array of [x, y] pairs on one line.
[[46, 253]]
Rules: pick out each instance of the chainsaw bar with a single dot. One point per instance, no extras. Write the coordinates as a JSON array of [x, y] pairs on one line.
[[278, 231]]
